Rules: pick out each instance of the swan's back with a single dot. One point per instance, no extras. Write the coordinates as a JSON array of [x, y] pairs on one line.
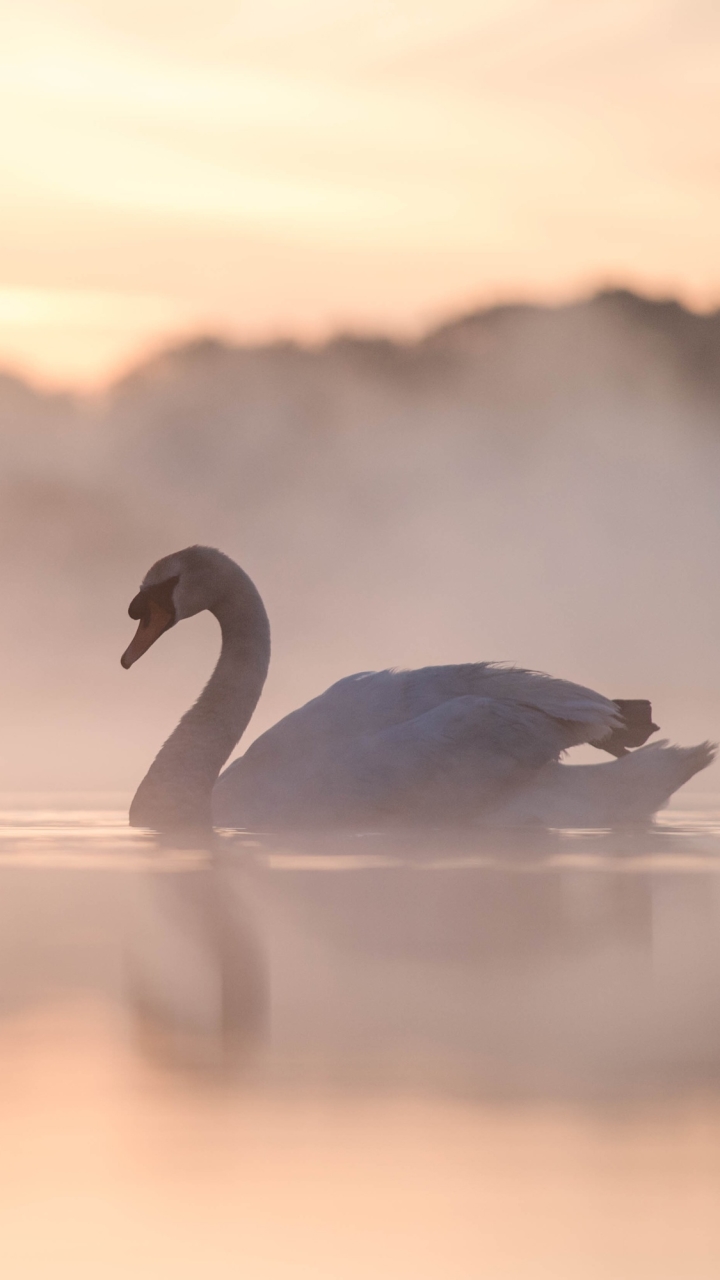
[[371, 701]]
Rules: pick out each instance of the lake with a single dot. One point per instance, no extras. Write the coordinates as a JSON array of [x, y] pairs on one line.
[[447, 1056]]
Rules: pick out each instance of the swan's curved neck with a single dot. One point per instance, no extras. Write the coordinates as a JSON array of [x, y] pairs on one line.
[[176, 791]]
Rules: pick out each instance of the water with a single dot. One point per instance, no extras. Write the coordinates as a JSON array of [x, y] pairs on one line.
[[442, 1057]]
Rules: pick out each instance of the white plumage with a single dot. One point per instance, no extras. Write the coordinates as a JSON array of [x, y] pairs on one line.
[[477, 743]]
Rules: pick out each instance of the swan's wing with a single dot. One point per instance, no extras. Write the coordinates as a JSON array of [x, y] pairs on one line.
[[372, 701], [445, 765], [453, 759]]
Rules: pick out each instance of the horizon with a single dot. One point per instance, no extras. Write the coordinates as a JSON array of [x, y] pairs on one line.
[[150, 352]]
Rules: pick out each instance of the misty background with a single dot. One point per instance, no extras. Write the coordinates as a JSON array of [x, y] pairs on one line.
[[536, 484]]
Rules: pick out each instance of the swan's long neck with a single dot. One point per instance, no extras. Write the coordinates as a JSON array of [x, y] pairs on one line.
[[176, 791]]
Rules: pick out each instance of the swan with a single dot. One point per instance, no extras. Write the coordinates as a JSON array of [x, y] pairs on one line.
[[475, 743]]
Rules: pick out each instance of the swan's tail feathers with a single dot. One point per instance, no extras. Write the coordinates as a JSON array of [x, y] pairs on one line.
[[647, 778], [687, 761], [667, 765], [630, 789]]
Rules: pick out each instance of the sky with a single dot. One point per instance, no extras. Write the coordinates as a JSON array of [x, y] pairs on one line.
[[289, 168]]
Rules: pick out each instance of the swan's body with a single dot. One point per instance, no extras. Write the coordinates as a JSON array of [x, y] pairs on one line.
[[475, 743]]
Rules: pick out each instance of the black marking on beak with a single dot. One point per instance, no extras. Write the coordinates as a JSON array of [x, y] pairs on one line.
[[161, 593]]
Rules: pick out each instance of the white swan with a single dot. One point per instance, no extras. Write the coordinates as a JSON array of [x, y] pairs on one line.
[[475, 743]]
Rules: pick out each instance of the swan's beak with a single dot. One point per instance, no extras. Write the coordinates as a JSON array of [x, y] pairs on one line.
[[151, 627]]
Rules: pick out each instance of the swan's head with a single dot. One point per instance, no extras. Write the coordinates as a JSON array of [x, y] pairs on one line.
[[176, 587]]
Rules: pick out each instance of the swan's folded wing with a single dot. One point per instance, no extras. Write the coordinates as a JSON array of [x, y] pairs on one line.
[[445, 765], [372, 701]]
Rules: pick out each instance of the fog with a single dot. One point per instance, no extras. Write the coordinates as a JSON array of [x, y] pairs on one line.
[[526, 483]]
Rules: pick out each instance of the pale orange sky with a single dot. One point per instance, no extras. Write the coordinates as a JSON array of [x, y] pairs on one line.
[[288, 167]]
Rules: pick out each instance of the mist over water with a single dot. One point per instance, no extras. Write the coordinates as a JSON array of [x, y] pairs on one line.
[[531, 484]]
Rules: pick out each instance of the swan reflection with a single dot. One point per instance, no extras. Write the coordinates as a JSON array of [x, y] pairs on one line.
[[196, 976], [532, 967], [557, 964]]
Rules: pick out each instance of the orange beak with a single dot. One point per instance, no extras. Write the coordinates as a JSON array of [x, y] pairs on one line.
[[149, 630]]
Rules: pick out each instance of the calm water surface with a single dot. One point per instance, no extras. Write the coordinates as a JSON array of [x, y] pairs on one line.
[[487, 1057]]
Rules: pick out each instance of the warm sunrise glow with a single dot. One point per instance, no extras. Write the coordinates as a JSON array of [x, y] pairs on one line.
[[289, 168]]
